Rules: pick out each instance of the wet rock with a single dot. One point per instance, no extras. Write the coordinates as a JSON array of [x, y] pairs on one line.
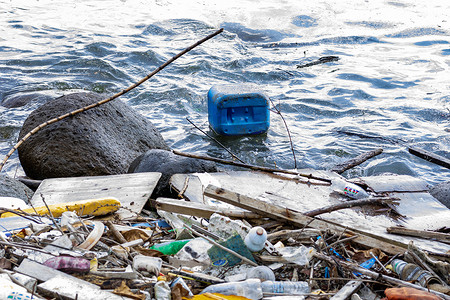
[[18, 100], [100, 141], [168, 164], [10, 187], [441, 192]]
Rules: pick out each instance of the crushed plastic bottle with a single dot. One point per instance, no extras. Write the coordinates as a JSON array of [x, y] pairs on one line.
[[350, 189], [255, 239], [285, 287], [250, 288], [262, 273], [412, 272]]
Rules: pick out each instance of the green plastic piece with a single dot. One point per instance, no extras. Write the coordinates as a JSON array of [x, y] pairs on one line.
[[170, 248]]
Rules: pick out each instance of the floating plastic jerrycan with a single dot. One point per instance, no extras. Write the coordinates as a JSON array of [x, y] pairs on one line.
[[255, 239], [238, 110]]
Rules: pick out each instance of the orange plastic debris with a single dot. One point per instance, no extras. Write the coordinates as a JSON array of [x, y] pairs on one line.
[[407, 293]]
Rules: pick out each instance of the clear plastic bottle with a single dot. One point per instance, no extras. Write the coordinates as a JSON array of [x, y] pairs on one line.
[[285, 287], [263, 273], [255, 239], [350, 189], [250, 288]]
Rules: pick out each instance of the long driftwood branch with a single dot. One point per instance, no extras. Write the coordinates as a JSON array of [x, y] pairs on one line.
[[72, 113], [252, 167], [341, 168], [431, 157], [348, 204]]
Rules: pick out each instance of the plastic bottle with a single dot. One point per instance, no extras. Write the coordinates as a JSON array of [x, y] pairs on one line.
[[255, 239], [162, 291], [262, 273], [350, 189], [285, 287], [412, 272], [250, 288]]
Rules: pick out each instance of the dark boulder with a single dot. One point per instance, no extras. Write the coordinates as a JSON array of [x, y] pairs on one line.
[[18, 100], [101, 141], [441, 192], [168, 164], [13, 188]]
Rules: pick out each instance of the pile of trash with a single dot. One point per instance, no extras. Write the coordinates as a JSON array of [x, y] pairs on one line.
[[86, 250]]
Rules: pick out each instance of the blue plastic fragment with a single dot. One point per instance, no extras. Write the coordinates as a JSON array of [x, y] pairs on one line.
[[366, 265], [327, 272], [159, 223]]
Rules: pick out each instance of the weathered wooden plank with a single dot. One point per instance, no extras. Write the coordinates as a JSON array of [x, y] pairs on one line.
[[198, 209], [132, 190], [288, 215], [43, 273], [347, 290], [60, 287], [443, 237]]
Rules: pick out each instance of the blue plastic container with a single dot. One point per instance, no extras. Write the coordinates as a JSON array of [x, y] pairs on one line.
[[238, 110]]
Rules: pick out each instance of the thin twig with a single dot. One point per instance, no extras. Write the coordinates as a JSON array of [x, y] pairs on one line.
[[215, 140], [20, 213], [343, 240], [72, 113], [252, 167], [277, 111], [51, 216]]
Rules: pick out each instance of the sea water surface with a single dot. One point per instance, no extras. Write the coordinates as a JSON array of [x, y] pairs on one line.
[[390, 87]]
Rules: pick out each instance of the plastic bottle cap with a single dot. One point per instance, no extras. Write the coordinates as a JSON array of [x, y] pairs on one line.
[[260, 231]]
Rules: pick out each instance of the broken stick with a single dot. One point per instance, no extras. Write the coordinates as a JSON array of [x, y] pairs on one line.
[[349, 204], [431, 157], [252, 167], [341, 168]]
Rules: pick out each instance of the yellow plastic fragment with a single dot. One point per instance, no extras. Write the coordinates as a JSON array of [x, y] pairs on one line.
[[91, 207]]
